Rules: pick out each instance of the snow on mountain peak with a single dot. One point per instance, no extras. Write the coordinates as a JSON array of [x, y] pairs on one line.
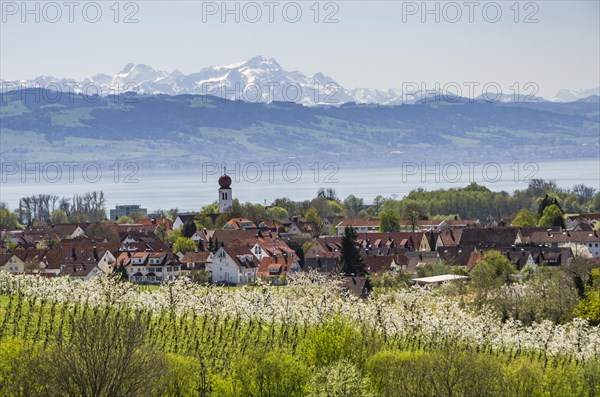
[[264, 78]]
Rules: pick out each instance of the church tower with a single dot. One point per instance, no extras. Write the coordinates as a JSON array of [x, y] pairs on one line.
[[225, 198]]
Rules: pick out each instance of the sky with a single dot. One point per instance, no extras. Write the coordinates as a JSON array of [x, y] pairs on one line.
[[375, 44]]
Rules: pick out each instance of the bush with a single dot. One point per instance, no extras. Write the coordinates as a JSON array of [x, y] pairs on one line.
[[340, 379], [274, 374]]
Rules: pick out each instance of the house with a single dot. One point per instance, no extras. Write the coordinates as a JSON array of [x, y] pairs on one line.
[[520, 258], [11, 263], [239, 224], [82, 272], [583, 222], [164, 222], [325, 262], [415, 260], [271, 226], [194, 261], [301, 229], [376, 265], [458, 224], [226, 237], [357, 286], [31, 258], [498, 237], [406, 241], [150, 267], [79, 257], [360, 225], [183, 218], [276, 269], [234, 264], [575, 239], [448, 238], [331, 221], [432, 225], [457, 255]]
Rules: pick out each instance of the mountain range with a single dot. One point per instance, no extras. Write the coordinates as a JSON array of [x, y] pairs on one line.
[[183, 130], [259, 79]]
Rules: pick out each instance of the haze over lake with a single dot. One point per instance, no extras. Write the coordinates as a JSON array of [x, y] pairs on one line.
[[189, 189]]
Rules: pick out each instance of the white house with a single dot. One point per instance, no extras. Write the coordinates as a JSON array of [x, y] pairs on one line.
[[11, 263], [360, 225], [233, 264], [183, 218]]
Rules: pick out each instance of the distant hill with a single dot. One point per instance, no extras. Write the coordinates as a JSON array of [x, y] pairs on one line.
[[182, 130]]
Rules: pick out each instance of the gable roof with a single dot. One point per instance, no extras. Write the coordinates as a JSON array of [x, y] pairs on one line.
[[489, 237], [274, 266], [550, 237]]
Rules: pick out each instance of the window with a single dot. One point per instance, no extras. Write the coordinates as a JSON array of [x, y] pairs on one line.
[[176, 268]]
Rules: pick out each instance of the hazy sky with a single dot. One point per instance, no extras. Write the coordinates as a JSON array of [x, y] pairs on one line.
[[378, 44]]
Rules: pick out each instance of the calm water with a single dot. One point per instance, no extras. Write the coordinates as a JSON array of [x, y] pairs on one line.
[[189, 189]]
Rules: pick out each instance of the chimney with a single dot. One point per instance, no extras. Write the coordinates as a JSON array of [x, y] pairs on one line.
[[275, 256], [95, 253]]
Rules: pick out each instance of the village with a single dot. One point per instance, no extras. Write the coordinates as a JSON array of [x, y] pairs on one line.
[[244, 251]]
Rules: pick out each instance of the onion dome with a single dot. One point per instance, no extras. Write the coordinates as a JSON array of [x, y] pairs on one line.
[[225, 181]]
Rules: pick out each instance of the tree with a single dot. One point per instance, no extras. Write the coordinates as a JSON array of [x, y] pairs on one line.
[[184, 244], [107, 354], [413, 212], [351, 262], [315, 222], [353, 205], [172, 213], [589, 306], [584, 193], [125, 220], [489, 274], [552, 215], [525, 218], [8, 220], [120, 273], [377, 202], [547, 201], [389, 221], [103, 231], [58, 216], [329, 193], [161, 232], [188, 229], [277, 213], [552, 295], [340, 379], [137, 215], [595, 202]]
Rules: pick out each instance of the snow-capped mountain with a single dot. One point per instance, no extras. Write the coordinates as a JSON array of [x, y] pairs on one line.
[[565, 95], [256, 80]]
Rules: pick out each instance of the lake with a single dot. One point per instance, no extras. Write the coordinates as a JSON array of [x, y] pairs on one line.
[[189, 189]]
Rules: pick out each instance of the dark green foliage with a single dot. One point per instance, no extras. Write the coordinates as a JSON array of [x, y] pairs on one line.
[[351, 262], [188, 229], [546, 202]]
